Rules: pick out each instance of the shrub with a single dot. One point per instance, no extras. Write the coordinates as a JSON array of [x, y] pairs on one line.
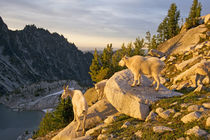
[[57, 119]]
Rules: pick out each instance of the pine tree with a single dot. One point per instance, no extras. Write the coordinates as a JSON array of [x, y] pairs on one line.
[[195, 12], [95, 66], [107, 56], [123, 51], [148, 38], [116, 57], [163, 31], [138, 45], [154, 43], [173, 21], [129, 49], [60, 118], [63, 113], [169, 27]]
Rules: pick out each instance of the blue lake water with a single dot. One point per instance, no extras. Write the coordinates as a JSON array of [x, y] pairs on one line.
[[13, 124]]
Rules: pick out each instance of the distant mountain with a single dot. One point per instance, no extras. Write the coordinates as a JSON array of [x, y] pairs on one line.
[[34, 54]]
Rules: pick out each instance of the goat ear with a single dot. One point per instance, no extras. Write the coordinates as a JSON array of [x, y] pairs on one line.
[[67, 87], [64, 86], [126, 57]]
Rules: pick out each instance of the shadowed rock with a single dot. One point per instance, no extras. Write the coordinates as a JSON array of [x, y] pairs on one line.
[[96, 114]]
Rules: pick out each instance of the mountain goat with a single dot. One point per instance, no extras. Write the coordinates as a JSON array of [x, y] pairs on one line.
[[141, 65], [79, 103]]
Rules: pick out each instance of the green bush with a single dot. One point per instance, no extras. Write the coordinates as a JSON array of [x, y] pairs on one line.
[[57, 119]]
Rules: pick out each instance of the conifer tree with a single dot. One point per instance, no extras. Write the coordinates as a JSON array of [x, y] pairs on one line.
[[57, 119], [148, 38], [154, 43], [173, 21], [63, 113], [107, 56], [123, 51], [195, 12], [95, 66], [129, 49], [169, 27], [138, 45]]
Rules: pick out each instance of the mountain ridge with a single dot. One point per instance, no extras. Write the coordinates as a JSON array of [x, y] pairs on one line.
[[34, 54]]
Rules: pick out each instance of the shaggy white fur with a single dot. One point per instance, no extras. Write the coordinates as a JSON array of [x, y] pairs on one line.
[[80, 106], [138, 65]]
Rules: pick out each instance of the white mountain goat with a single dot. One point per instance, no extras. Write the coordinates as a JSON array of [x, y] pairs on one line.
[[138, 65], [79, 103]]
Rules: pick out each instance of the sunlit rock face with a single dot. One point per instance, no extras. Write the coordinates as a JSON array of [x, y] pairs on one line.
[[134, 101]]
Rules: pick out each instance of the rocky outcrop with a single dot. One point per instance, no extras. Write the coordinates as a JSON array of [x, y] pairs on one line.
[[133, 101], [99, 87], [96, 114], [34, 54], [161, 129], [187, 63], [156, 53], [195, 75], [196, 131], [183, 41], [193, 116]]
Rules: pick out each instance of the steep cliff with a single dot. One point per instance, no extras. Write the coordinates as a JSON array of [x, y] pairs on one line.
[[34, 54]]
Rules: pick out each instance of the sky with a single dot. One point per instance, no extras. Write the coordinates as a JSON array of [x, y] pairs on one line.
[[93, 23]]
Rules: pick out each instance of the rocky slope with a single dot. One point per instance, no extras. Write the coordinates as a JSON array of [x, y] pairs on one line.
[[34, 54], [144, 113], [187, 59], [187, 39]]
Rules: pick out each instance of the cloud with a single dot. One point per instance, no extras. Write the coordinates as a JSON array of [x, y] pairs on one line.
[[105, 19]]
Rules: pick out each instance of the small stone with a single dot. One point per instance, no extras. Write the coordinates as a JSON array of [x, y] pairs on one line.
[[159, 110], [206, 105], [91, 131], [84, 138], [152, 116], [196, 131], [177, 114], [182, 138], [163, 58], [175, 103], [202, 109], [193, 108], [172, 110], [184, 105], [208, 122], [104, 130], [110, 119], [161, 129], [112, 136], [187, 138], [191, 117], [102, 137], [166, 114], [199, 88], [172, 58], [139, 134], [126, 124]]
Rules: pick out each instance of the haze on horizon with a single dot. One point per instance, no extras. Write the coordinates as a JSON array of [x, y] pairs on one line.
[[93, 24]]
